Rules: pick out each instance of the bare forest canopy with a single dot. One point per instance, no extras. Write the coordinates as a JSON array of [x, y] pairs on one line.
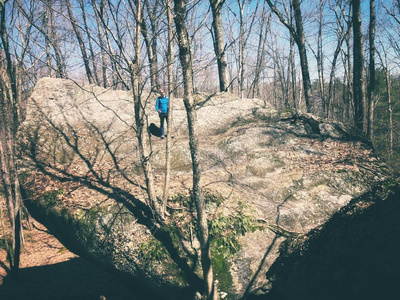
[[335, 59], [297, 55]]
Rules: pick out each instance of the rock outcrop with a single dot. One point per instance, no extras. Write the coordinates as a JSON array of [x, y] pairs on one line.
[[268, 177], [352, 256]]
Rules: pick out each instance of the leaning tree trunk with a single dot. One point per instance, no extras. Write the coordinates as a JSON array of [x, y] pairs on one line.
[[197, 196]]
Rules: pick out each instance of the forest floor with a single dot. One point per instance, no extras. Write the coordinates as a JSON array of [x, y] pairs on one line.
[[49, 271]]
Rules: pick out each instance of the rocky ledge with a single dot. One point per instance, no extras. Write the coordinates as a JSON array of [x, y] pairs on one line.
[[267, 177]]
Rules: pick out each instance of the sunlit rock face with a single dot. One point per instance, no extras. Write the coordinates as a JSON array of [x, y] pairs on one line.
[[268, 176]]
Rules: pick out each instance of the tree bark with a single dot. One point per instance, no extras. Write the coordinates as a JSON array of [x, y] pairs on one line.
[[292, 64], [372, 77], [145, 155], [92, 55], [9, 120], [81, 43], [342, 34], [100, 33], [151, 46], [219, 44], [358, 67], [197, 195], [170, 62], [301, 44], [261, 51], [320, 58], [298, 34], [61, 73], [46, 23]]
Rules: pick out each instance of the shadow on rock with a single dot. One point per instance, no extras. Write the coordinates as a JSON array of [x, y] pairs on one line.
[[355, 255]]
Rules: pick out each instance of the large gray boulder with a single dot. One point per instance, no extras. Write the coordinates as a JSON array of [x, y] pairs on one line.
[[268, 177]]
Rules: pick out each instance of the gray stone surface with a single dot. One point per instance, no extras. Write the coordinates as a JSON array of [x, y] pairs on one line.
[[291, 173]]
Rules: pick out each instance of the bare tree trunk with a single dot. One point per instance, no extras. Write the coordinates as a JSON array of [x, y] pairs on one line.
[[292, 65], [81, 43], [358, 67], [145, 155], [298, 34], [170, 62], [261, 51], [197, 195], [343, 33], [349, 105], [151, 45], [54, 41], [92, 55], [49, 34], [320, 58], [100, 34], [46, 23], [274, 86], [241, 48], [388, 80], [219, 44], [9, 108], [301, 44], [371, 89], [117, 78], [151, 56]]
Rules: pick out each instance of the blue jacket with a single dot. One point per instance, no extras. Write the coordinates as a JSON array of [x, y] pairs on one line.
[[162, 105]]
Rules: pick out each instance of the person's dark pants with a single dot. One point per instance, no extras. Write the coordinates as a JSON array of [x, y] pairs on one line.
[[162, 118]]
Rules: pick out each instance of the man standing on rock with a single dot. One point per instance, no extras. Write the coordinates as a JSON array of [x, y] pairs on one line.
[[162, 106]]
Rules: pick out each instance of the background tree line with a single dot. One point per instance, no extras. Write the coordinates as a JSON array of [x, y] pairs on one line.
[[296, 55], [336, 59]]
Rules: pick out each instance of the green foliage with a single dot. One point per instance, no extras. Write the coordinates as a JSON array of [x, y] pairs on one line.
[[152, 251], [213, 198], [6, 242], [182, 199], [225, 233], [222, 272], [52, 198]]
